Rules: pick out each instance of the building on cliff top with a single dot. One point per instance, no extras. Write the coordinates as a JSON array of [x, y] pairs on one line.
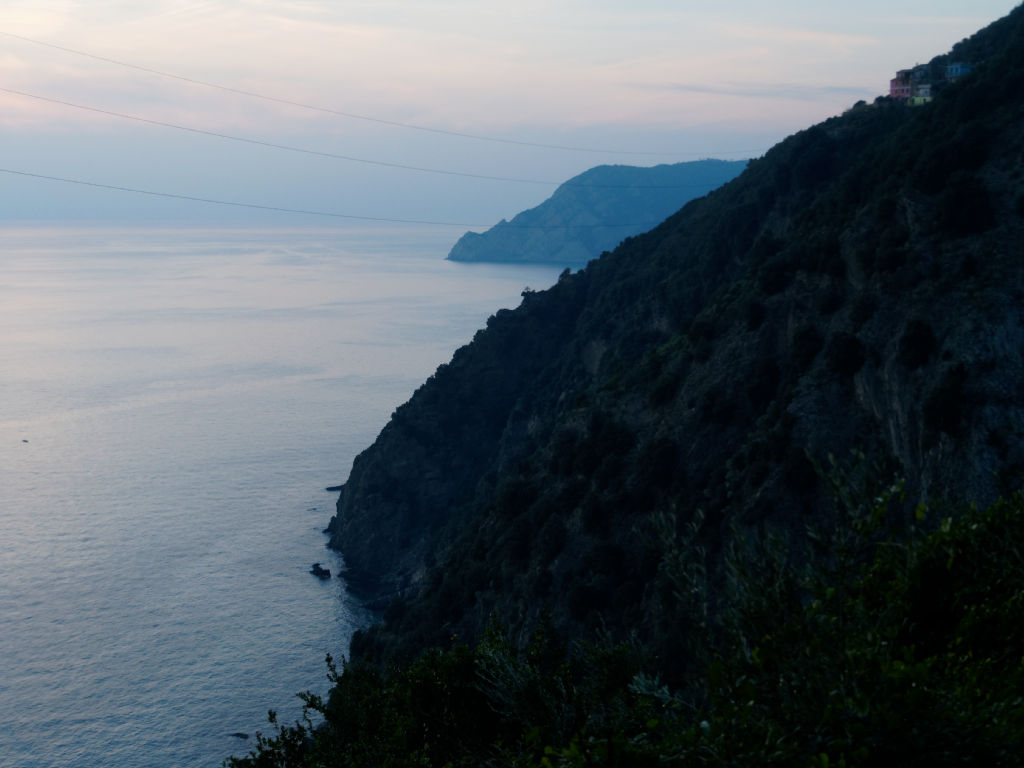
[[915, 86]]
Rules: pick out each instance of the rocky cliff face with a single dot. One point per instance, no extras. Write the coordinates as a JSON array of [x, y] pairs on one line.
[[861, 287], [418, 477], [593, 212]]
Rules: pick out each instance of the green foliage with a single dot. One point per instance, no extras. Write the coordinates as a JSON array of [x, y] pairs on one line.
[[864, 643]]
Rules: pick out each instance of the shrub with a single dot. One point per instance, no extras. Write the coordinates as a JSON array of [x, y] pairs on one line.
[[858, 645]]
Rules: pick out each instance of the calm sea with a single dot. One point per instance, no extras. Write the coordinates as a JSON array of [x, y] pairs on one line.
[[172, 405]]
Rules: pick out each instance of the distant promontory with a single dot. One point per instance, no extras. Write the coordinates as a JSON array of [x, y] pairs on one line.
[[595, 211]]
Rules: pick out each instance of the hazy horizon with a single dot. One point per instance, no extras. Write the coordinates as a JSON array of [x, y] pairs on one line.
[[434, 98]]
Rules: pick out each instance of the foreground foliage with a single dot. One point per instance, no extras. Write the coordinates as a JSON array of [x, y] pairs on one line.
[[856, 645]]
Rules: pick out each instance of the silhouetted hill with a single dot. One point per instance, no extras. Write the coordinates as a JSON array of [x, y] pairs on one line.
[[594, 212], [706, 501], [859, 286]]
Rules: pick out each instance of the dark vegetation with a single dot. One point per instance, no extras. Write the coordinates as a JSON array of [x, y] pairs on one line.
[[601, 534], [880, 648]]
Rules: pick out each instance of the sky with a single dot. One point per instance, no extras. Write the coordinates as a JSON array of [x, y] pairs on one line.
[[456, 112]]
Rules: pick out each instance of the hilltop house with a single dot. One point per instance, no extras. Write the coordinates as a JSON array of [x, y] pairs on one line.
[[915, 86], [957, 69], [912, 83], [899, 86]]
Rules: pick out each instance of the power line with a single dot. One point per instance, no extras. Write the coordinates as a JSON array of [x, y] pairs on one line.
[[302, 211], [334, 155], [272, 145], [349, 115], [232, 203]]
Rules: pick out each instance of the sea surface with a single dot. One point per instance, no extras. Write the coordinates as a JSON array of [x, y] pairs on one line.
[[173, 404]]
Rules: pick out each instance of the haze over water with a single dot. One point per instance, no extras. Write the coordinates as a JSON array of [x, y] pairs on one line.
[[172, 405]]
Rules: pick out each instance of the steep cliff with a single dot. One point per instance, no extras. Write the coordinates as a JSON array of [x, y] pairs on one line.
[[609, 532], [861, 286], [593, 212]]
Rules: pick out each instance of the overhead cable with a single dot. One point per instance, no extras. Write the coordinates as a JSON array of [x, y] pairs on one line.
[[351, 115], [232, 203], [261, 143], [303, 211], [334, 155]]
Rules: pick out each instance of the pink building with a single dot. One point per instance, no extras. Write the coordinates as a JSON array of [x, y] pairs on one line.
[[900, 87], [913, 85]]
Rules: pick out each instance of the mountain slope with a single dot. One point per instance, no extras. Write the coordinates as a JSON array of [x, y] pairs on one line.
[[858, 287], [614, 518], [594, 211]]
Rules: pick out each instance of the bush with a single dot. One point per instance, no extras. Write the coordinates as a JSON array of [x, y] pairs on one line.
[[858, 645]]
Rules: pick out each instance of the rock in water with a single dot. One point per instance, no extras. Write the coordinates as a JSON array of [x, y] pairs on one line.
[[320, 572]]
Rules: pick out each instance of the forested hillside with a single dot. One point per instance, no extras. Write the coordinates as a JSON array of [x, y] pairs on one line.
[[593, 212], [709, 498]]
